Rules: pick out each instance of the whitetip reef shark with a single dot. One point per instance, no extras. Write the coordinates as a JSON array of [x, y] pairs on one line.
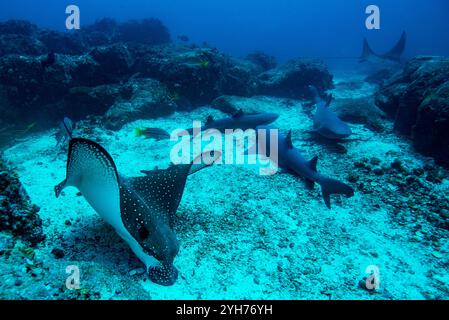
[[291, 160], [141, 209], [239, 120], [326, 122], [394, 54]]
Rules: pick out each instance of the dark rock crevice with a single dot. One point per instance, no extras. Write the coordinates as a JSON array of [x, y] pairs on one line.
[[418, 100]]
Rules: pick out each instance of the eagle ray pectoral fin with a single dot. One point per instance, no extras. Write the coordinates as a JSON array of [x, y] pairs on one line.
[[205, 160], [58, 189]]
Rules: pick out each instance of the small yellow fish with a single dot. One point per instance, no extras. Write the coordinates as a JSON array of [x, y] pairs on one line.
[[154, 133], [205, 64]]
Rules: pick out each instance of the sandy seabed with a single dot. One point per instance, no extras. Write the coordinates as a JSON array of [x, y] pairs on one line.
[[242, 235]]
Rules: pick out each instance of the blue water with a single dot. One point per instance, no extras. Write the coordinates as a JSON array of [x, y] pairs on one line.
[[285, 29]]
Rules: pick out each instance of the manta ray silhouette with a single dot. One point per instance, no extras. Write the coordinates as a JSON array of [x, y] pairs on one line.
[[393, 55], [141, 209]]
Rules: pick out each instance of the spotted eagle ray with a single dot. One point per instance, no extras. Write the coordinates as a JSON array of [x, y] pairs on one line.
[[393, 55], [141, 209]]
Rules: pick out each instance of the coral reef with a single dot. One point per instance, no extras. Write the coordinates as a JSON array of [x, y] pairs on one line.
[[23, 37], [149, 99], [418, 101], [293, 79], [197, 74], [360, 110], [17, 213], [379, 77], [91, 72], [262, 60]]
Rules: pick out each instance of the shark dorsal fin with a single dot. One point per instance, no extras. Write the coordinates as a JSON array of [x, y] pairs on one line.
[[209, 120], [289, 139], [238, 114]]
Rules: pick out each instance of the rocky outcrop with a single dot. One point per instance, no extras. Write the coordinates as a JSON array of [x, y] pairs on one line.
[[379, 77], [82, 101], [417, 100], [88, 72], [149, 99], [32, 89], [431, 131], [17, 214], [112, 63], [360, 111], [197, 75], [292, 79], [22, 37], [19, 37], [264, 61]]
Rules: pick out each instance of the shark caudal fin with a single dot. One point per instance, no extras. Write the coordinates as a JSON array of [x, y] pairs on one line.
[[331, 186]]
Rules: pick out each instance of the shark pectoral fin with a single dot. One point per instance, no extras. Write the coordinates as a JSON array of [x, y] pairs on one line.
[[209, 120], [331, 186], [164, 275], [310, 184], [238, 114], [289, 139], [313, 163], [59, 188]]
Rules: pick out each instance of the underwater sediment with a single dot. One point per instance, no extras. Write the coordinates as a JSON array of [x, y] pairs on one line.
[[241, 235]]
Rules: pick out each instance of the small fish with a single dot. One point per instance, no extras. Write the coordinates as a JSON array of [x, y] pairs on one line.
[[151, 133], [205, 64], [65, 131], [49, 61], [28, 128]]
